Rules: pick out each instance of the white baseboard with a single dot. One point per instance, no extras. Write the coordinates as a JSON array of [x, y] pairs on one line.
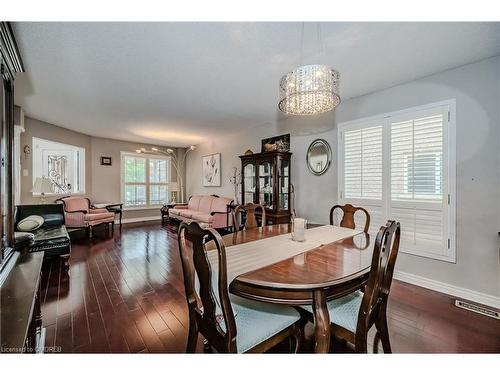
[[456, 291], [138, 219]]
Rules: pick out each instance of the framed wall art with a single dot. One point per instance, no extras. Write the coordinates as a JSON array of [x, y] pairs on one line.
[[211, 170]]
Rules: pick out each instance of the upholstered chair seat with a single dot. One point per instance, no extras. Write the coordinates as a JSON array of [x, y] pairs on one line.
[[344, 311], [258, 321]]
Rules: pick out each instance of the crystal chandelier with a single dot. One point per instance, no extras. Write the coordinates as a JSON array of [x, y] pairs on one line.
[[308, 90]]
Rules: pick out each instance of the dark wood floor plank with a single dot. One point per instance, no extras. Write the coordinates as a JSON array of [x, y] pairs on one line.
[[64, 333], [125, 293]]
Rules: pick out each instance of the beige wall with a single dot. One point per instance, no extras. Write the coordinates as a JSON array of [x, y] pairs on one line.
[[44, 130], [102, 183], [106, 180]]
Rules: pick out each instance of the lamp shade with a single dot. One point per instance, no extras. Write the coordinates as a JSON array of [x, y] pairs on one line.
[[43, 185], [173, 186]]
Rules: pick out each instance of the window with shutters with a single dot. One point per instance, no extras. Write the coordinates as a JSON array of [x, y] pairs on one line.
[[145, 180], [401, 166]]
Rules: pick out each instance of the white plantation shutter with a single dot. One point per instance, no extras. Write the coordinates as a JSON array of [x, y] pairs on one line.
[[417, 181], [363, 163], [417, 159], [397, 166], [144, 180], [363, 172]]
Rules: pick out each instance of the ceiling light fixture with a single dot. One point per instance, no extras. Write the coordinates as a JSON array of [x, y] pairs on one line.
[[309, 89]]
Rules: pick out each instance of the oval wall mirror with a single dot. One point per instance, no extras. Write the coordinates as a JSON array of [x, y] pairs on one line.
[[319, 156]]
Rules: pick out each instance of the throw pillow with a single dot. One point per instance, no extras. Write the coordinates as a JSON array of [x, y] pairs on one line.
[[30, 223]]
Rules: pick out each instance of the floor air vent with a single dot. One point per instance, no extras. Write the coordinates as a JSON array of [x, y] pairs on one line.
[[477, 309]]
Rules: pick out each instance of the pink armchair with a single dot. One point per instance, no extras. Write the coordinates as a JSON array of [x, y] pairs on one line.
[[78, 213]]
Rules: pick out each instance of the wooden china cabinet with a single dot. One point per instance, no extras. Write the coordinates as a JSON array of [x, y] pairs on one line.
[[265, 179]]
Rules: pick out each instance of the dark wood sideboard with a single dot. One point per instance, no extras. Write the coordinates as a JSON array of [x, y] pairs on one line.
[[21, 329]]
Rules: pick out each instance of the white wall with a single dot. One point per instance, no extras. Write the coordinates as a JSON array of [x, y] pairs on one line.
[[476, 88]]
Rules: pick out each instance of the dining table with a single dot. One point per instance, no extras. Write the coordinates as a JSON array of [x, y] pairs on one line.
[[265, 264]]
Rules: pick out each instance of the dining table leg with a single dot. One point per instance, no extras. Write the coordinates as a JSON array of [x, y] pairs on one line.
[[321, 322]]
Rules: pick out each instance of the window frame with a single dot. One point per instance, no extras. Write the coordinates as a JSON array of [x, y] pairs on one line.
[[80, 164], [449, 171], [148, 183]]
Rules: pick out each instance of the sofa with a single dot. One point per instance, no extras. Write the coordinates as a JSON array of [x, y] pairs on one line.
[[79, 213], [210, 211], [52, 237]]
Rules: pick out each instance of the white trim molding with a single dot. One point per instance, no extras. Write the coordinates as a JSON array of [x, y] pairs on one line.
[[452, 290]]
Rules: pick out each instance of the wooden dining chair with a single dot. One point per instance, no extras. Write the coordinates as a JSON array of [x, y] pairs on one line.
[[230, 325], [250, 218], [348, 212], [352, 316]]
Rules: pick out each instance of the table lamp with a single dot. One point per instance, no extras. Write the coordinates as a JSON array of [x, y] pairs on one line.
[[42, 186], [174, 188]]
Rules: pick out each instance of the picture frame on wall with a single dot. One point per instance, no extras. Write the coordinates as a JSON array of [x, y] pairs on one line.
[[211, 170], [106, 160]]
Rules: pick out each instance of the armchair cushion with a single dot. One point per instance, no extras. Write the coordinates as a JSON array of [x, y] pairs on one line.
[[92, 217], [98, 211], [76, 204]]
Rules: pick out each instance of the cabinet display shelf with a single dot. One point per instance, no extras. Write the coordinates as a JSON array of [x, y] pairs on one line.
[[268, 174]]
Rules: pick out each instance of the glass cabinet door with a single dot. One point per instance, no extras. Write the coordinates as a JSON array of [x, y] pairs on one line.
[[249, 175], [284, 185], [266, 184]]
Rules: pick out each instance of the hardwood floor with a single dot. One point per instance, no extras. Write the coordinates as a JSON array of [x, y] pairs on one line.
[[125, 294]]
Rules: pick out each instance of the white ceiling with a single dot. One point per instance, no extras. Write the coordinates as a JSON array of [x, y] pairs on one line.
[[179, 83]]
